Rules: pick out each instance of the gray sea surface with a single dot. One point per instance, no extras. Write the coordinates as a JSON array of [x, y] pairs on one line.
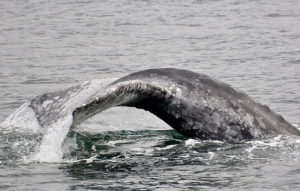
[[253, 45]]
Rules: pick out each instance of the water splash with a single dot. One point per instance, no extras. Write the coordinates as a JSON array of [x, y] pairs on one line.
[[50, 149], [22, 119]]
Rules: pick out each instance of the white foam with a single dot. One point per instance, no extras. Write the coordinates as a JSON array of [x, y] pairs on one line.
[[211, 155], [113, 143], [166, 148], [191, 142], [91, 159], [250, 149]]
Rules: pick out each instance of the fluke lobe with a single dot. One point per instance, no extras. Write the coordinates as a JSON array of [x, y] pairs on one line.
[[194, 104]]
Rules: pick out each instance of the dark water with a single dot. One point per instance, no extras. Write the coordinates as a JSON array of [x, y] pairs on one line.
[[48, 45]]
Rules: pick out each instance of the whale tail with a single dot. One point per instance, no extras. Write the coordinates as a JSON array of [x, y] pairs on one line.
[[193, 104], [84, 100]]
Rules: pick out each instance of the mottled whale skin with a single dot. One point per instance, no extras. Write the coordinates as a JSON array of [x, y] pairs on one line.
[[194, 104]]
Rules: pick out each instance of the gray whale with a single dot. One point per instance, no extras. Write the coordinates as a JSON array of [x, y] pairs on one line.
[[194, 104]]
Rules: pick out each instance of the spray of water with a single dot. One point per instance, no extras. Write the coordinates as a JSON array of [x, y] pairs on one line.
[[22, 119], [50, 148]]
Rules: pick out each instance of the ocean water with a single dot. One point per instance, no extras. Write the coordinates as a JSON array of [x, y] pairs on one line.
[[253, 45]]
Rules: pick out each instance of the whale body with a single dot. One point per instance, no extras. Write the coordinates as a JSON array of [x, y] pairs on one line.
[[194, 104]]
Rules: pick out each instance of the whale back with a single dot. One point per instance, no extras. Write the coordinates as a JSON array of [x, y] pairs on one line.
[[195, 105]]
